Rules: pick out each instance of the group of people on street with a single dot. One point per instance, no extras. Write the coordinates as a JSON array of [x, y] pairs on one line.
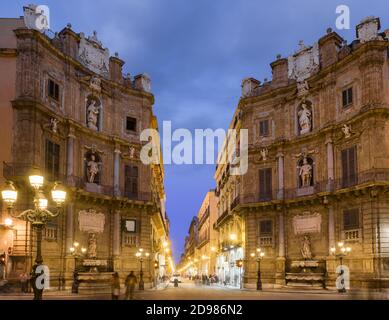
[[205, 279], [130, 284]]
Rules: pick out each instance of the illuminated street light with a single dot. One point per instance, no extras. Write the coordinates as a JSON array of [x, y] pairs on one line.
[[344, 251], [38, 217], [140, 255], [259, 254]]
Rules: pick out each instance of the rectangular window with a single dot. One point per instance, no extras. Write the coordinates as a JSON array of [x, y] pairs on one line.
[[351, 225], [131, 182], [265, 230], [52, 160], [130, 124], [53, 90], [264, 128], [351, 219], [347, 97], [265, 184], [349, 167]]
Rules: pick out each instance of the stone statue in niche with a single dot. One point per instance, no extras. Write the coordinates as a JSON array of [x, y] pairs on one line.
[[304, 118], [93, 112], [306, 248], [92, 246], [305, 173], [93, 168]]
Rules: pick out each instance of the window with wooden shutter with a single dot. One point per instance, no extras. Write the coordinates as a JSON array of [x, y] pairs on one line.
[[265, 184], [349, 167], [52, 160], [264, 128], [131, 182]]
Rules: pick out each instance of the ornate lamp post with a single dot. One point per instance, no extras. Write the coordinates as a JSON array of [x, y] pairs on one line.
[[344, 251], [259, 255], [38, 218], [140, 254]]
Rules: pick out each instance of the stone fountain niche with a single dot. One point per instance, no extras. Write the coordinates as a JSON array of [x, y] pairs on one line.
[[306, 271], [93, 277]]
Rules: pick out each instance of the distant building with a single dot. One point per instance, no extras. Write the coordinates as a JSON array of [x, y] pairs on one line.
[[318, 167], [67, 109]]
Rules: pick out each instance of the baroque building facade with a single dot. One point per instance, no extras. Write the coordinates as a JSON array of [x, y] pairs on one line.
[[318, 167], [67, 110]]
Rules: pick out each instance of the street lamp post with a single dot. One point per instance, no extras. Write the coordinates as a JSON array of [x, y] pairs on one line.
[[38, 218], [344, 251], [140, 254], [259, 255]]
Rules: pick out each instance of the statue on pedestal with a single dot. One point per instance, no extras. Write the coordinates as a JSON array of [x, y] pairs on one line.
[[93, 169], [92, 115]]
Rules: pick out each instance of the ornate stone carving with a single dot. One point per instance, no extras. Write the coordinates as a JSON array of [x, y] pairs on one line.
[[367, 29], [95, 83], [346, 129], [90, 221], [304, 62], [54, 124], [36, 18], [307, 223], [264, 153], [93, 56]]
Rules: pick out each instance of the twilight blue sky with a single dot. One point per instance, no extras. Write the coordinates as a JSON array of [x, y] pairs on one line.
[[197, 52]]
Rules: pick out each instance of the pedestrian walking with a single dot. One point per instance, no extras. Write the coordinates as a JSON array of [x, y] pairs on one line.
[[115, 286], [23, 278], [131, 282]]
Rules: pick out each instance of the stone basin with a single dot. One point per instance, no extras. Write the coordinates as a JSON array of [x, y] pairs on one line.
[[305, 264], [94, 282]]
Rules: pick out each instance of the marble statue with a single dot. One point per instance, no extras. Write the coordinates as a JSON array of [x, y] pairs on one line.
[[93, 169], [306, 248], [264, 152], [305, 119], [92, 246], [346, 130], [305, 173], [54, 124], [92, 113]]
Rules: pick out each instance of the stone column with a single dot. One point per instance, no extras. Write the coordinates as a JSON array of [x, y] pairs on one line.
[[116, 172], [331, 228], [280, 261], [330, 164], [116, 233], [69, 226], [280, 193], [70, 158], [281, 235]]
